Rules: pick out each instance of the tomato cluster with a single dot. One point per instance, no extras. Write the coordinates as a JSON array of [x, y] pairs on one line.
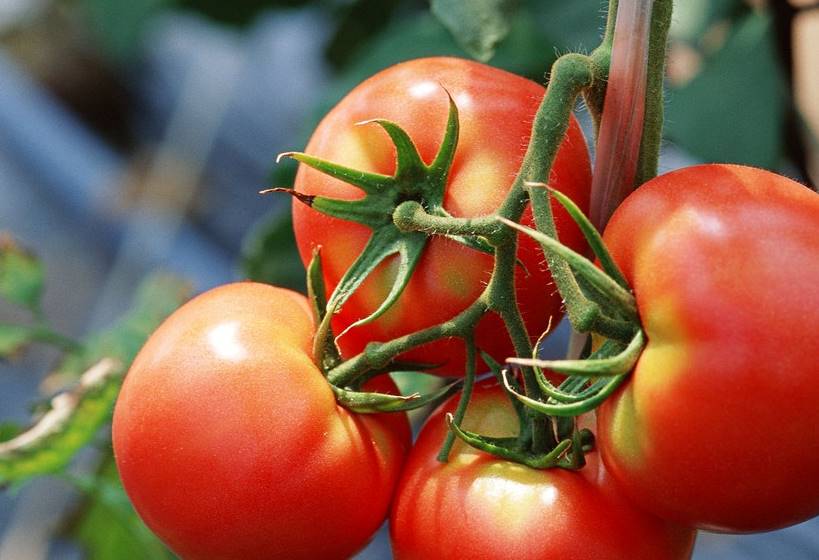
[[231, 444]]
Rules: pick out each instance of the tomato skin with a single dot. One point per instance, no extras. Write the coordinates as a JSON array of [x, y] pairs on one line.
[[479, 507], [229, 441], [717, 426], [496, 110]]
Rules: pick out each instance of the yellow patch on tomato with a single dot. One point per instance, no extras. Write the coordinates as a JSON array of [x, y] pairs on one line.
[[663, 358], [364, 147], [508, 495], [625, 430], [478, 186]]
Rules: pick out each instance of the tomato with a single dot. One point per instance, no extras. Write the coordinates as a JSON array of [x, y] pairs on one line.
[[479, 507], [496, 110], [229, 441], [717, 425]]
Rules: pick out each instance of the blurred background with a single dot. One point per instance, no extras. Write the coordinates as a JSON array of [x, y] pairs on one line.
[[135, 135]]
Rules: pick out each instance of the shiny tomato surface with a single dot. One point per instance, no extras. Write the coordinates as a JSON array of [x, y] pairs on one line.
[[717, 426], [229, 441], [479, 507]]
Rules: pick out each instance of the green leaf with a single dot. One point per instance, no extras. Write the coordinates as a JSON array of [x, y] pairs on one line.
[[13, 338], [105, 524], [269, 253], [71, 421], [21, 275], [477, 25], [9, 430], [733, 110]]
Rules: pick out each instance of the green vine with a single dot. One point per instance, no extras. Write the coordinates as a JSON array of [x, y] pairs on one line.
[[404, 210]]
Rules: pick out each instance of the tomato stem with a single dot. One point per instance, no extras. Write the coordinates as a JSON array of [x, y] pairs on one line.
[[596, 300], [654, 102], [466, 395]]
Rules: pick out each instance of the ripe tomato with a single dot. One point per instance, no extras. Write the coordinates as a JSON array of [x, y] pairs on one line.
[[479, 507], [229, 441], [717, 425], [496, 110]]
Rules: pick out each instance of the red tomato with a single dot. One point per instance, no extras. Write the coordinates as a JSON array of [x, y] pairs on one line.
[[496, 110], [229, 441], [717, 426], [479, 507]]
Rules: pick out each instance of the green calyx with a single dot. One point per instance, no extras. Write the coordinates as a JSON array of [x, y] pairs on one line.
[[568, 453], [413, 182], [405, 209], [327, 356]]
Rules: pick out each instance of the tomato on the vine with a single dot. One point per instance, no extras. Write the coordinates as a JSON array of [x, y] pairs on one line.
[[496, 110], [479, 507], [717, 426], [230, 443]]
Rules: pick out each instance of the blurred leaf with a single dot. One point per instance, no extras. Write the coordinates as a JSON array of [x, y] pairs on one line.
[[13, 338], [236, 12], [156, 298], [270, 254], [733, 110], [119, 24], [9, 430], [477, 25], [356, 23], [539, 31], [106, 525], [569, 26], [693, 18], [524, 52], [21, 275], [70, 423]]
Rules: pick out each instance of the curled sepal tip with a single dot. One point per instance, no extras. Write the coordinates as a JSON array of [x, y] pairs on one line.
[[508, 448], [619, 364], [440, 166], [570, 409], [306, 199], [367, 402]]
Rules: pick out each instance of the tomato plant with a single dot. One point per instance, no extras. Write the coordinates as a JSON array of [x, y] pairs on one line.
[[229, 441], [715, 426], [495, 112], [479, 506]]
